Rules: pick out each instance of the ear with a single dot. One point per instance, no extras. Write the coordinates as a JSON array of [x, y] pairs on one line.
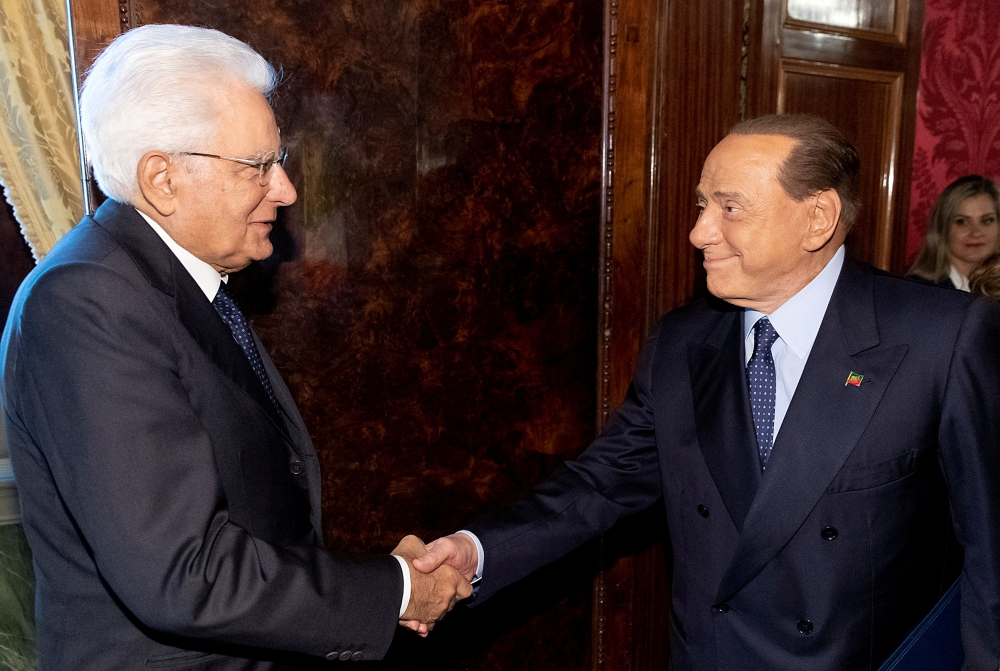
[[824, 215], [155, 174]]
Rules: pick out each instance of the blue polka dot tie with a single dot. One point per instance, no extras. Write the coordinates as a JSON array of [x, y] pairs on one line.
[[230, 313], [760, 377]]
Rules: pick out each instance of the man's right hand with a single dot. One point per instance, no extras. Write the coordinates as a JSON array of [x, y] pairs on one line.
[[432, 593], [456, 550]]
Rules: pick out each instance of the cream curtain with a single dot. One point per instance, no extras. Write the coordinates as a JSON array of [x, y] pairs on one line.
[[39, 160]]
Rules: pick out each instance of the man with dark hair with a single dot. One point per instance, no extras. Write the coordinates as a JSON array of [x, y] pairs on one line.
[[825, 438]]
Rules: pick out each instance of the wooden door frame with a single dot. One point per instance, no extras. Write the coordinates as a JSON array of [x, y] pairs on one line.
[[672, 90]]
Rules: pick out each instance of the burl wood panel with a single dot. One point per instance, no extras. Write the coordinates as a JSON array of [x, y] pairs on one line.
[[432, 302]]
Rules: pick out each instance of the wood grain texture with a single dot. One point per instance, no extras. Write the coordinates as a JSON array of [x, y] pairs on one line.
[[632, 38], [870, 19], [673, 92], [95, 24], [833, 92]]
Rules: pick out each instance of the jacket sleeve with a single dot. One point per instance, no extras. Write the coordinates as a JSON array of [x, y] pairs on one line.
[[616, 475], [970, 454], [96, 384]]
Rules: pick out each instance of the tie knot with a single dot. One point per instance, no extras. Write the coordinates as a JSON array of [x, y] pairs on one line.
[[764, 335]]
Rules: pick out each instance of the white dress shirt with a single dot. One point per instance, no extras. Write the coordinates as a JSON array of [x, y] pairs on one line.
[[205, 276], [797, 323], [208, 279], [960, 281]]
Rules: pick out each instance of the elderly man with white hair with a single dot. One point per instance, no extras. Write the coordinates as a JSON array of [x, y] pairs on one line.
[[170, 491]]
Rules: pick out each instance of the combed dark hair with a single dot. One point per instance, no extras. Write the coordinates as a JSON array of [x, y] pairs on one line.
[[934, 259], [821, 159]]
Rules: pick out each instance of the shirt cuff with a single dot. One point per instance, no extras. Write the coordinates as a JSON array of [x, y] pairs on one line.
[[479, 552], [406, 584]]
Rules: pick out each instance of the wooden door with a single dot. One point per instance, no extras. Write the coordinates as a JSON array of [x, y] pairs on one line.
[[856, 63]]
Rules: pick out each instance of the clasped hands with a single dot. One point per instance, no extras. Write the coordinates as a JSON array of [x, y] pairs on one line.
[[440, 577]]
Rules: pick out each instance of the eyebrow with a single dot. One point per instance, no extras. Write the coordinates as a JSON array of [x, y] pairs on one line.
[[734, 195]]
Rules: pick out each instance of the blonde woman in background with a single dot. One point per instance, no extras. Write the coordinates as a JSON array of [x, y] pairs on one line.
[[963, 232]]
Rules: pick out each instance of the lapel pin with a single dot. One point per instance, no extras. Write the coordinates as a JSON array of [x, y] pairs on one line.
[[854, 379]]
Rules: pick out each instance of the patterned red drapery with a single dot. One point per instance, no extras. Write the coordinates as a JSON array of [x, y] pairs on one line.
[[958, 105]]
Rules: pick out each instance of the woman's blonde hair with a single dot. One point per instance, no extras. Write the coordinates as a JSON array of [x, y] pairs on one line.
[[985, 279], [934, 259]]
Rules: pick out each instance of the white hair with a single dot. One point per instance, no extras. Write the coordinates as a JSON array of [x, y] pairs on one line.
[[152, 89]]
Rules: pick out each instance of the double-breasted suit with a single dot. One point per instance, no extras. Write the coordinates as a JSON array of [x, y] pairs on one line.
[[827, 559], [173, 511]]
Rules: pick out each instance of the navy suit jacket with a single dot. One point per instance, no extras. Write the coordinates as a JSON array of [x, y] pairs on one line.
[[830, 557], [172, 511]]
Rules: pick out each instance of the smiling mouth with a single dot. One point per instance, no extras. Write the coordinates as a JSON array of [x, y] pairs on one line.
[[718, 259]]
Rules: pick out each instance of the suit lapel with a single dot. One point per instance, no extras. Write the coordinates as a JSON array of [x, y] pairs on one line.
[[168, 275], [216, 340], [722, 414], [824, 422]]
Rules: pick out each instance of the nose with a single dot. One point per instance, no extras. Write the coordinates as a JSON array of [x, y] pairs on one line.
[[705, 231], [280, 189]]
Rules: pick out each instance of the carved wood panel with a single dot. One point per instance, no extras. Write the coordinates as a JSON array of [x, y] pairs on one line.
[[868, 19], [673, 82], [834, 92]]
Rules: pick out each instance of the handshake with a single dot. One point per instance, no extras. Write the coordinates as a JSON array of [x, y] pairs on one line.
[[441, 573]]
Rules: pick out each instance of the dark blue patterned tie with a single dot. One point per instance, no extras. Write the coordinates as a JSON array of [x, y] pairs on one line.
[[760, 377], [230, 313]]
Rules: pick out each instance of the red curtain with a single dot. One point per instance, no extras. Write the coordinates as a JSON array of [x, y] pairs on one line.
[[958, 105]]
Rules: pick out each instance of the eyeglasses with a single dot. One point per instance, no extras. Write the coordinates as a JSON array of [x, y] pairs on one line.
[[265, 168]]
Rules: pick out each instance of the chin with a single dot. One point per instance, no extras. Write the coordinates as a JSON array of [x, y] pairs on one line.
[[719, 288], [262, 251]]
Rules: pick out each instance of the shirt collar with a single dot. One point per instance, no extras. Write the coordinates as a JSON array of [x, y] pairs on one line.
[[958, 279], [798, 319], [204, 275]]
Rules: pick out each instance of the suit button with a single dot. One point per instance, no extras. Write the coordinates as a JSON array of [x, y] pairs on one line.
[[345, 656], [721, 608], [702, 510], [358, 656], [332, 656], [828, 533], [805, 627], [296, 468]]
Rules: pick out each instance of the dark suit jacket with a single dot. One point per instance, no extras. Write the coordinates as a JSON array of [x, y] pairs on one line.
[[944, 281], [828, 559], [172, 511]]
